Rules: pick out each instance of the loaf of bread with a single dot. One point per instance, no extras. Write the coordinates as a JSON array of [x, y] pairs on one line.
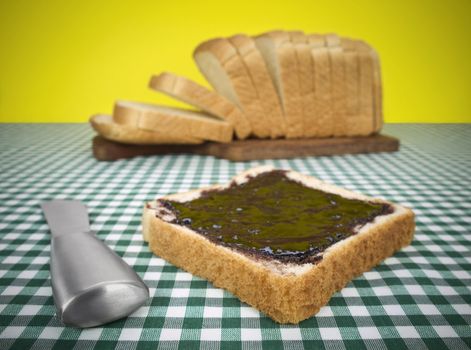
[[280, 241], [279, 84]]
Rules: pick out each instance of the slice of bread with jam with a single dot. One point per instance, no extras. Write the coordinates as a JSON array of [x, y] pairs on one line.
[[281, 241]]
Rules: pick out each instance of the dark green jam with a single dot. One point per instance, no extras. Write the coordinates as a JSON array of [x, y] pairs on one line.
[[275, 217]]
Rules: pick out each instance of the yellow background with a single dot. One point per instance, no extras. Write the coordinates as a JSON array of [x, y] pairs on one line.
[[61, 61]]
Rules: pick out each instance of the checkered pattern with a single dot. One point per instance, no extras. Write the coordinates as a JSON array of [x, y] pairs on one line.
[[419, 298]]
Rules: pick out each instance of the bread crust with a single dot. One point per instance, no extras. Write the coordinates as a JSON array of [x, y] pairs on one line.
[[106, 127], [198, 96], [288, 293]]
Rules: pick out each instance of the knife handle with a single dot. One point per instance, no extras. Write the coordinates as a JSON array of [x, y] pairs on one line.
[[91, 284]]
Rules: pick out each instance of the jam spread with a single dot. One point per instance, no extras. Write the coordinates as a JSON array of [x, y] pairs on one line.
[[272, 216]]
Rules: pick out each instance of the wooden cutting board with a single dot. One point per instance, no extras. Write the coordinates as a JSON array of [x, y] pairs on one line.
[[253, 149]]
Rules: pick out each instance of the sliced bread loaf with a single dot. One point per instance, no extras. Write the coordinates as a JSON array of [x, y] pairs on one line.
[[266, 91], [106, 127], [222, 66], [280, 57], [281, 241], [190, 92], [175, 121]]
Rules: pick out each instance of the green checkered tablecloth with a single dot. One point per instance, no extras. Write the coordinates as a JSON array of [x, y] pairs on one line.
[[419, 298]]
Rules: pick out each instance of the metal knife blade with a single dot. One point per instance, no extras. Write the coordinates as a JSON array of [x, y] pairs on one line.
[[65, 216]]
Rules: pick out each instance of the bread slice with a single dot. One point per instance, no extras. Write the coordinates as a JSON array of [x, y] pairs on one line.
[[377, 87], [219, 62], [305, 76], [338, 89], [366, 89], [369, 118], [323, 91], [339, 98], [352, 92], [378, 101], [186, 123], [279, 54], [266, 91], [288, 288], [377, 92], [311, 116], [106, 127], [190, 92]]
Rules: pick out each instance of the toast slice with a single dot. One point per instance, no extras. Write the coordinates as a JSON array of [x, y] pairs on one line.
[[219, 62], [106, 127], [190, 92], [281, 241], [266, 91], [280, 57], [187, 123]]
